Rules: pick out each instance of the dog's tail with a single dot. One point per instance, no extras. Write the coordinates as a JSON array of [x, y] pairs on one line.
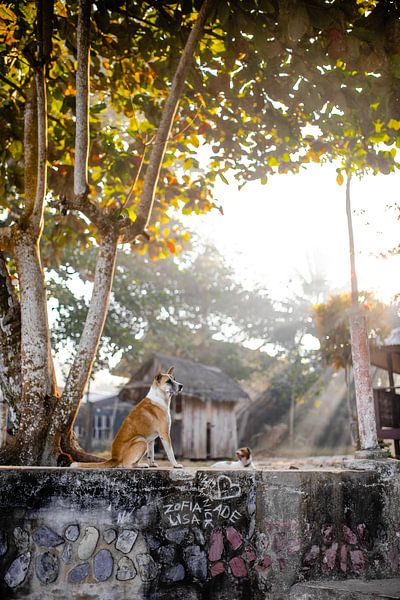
[[107, 464]]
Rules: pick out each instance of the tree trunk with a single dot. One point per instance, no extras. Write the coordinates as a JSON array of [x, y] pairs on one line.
[[360, 351], [352, 410], [10, 344], [291, 420], [39, 388], [81, 368]]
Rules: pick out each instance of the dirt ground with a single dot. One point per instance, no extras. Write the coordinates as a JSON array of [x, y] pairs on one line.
[[273, 463]]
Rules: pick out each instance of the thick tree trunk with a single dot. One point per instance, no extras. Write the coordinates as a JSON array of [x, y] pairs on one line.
[[38, 384], [10, 343]]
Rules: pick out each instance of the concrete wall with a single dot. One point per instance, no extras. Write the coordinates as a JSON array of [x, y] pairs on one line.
[[164, 534]]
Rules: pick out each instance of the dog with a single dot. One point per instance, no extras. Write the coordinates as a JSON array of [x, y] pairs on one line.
[[245, 461], [148, 420]]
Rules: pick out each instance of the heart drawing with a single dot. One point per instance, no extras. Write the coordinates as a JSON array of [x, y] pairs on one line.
[[227, 489]]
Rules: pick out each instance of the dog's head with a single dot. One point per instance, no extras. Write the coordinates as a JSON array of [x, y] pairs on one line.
[[167, 382], [244, 455]]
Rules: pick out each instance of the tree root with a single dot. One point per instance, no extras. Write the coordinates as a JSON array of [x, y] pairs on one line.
[[71, 448]]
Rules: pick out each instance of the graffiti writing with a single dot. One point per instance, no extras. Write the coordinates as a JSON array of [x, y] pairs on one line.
[[201, 512]]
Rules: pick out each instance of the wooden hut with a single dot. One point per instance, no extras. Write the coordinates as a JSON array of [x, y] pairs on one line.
[[203, 415], [98, 421], [386, 356]]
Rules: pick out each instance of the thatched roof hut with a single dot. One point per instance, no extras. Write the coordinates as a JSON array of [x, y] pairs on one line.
[[203, 415]]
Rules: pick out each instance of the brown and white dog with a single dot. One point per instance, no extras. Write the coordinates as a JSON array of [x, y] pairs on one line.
[[244, 461], [147, 420]]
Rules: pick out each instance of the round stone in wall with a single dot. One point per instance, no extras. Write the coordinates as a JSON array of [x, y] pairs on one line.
[[47, 567], [126, 569], [18, 569], [3, 543], [168, 554], [175, 573], [126, 539], [176, 534], [21, 539], [66, 555], [196, 562], [79, 573], [46, 537], [88, 543], [109, 535], [103, 565], [72, 533], [147, 567]]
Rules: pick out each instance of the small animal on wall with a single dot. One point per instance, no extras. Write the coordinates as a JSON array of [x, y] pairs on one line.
[[244, 461], [147, 421]]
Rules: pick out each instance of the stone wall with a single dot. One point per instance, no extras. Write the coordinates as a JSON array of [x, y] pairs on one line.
[[162, 534]]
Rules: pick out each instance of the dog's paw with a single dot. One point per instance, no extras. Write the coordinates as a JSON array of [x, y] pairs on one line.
[[143, 466], [74, 465], [153, 464], [178, 466]]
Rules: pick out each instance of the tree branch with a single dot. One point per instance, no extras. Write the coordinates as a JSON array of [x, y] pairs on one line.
[[81, 368], [82, 99], [13, 85], [36, 218], [30, 150], [99, 218], [145, 206], [353, 273]]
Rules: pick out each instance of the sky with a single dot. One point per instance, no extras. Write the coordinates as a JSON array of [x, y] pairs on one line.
[[271, 233]]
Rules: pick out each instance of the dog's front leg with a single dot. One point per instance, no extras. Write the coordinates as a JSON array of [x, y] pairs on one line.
[[150, 455], [166, 442]]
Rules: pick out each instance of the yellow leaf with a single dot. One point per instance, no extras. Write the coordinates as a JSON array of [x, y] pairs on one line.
[[7, 14], [131, 213], [273, 161], [394, 124], [61, 9], [339, 179], [194, 141]]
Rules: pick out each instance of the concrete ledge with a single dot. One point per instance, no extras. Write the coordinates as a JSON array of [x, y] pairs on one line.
[[352, 589], [161, 534]]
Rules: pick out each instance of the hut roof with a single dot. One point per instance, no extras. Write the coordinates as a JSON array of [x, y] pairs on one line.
[[199, 380]]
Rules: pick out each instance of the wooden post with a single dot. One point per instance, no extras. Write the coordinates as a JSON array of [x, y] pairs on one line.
[[389, 359]]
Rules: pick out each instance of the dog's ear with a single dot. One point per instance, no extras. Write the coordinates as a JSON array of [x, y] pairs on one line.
[[158, 377], [248, 450], [171, 370]]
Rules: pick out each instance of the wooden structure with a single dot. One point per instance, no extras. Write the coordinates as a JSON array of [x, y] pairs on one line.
[[387, 399], [203, 415], [98, 422]]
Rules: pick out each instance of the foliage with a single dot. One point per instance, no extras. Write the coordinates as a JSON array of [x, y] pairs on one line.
[[266, 70], [191, 307], [333, 331]]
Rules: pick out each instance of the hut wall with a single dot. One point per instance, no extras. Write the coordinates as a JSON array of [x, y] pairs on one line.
[[223, 429], [194, 430]]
